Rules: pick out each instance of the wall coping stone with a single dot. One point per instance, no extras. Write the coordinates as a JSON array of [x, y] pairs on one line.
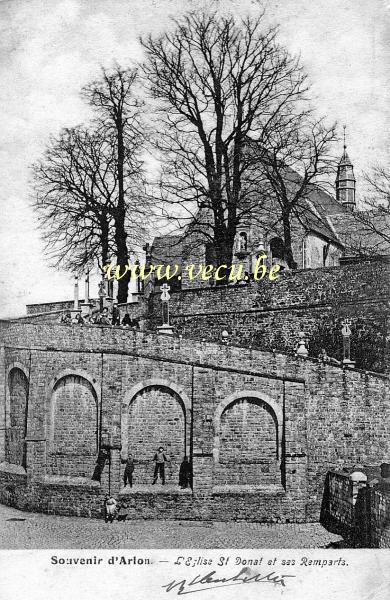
[[6, 467], [161, 490], [243, 490], [65, 480]]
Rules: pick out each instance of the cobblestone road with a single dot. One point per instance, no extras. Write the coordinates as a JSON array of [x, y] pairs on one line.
[[21, 530]]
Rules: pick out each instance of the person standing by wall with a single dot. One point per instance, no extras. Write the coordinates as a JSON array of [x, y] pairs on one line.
[[111, 509], [129, 470], [159, 469]]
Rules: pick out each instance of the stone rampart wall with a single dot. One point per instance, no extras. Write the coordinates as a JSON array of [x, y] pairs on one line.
[[269, 315], [317, 417]]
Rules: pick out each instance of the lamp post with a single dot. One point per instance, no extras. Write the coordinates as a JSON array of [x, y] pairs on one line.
[[102, 294], [86, 305], [106, 444]]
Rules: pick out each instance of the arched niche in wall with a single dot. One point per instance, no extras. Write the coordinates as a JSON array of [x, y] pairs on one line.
[[73, 427], [155, 413], [16, 416], [242, 241], [247, 443]]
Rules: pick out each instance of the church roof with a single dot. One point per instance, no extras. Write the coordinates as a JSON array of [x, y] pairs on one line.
[[345, 160], [316, 208], [167, 249], [315, 213]]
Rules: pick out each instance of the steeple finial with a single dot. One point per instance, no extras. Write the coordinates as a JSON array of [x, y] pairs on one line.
[[345, 145]]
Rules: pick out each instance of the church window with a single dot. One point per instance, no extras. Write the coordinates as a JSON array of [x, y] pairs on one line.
[[277, 248]]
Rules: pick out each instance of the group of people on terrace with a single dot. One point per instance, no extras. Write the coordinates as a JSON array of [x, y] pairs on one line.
[[100, 317]]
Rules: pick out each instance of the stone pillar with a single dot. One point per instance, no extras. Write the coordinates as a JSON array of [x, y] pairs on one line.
[[116, 480], [294, 449], [86, 289], [166, 327], [86, 305], [35, 458], [346, 333], [202, 484], [202, 473], [358, 480], [76, 311]]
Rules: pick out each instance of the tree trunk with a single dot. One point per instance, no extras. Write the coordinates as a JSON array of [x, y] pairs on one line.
[[122, 259], [104, 228], [288, 253], [224, 244], [120, 215]]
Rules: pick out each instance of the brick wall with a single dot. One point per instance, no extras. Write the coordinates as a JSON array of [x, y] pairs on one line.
[[326, 417], [73, 423], [268, 315], [380, 517], [66, 497], [45, 307], [249, 445]]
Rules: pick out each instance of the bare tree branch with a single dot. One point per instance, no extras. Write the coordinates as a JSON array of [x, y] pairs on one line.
[[216, 82]]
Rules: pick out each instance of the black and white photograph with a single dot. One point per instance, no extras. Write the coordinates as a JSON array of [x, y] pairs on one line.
[[194, 298]]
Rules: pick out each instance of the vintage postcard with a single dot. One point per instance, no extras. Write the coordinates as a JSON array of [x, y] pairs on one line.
[[194, 299]]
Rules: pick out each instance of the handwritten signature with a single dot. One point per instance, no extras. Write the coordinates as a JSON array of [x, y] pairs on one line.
[[246, 575]]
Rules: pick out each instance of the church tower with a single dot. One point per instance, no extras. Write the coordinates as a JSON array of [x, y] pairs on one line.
[[345, 181]]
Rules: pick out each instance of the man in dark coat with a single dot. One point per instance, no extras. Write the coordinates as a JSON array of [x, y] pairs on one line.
[[116, 316], [126, 321], [100, 463], [185, 473], [129, 470]]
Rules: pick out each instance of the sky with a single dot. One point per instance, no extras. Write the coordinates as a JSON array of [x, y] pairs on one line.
[[50, 48]]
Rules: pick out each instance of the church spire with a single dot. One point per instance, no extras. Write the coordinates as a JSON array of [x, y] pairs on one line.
[[345, 180]]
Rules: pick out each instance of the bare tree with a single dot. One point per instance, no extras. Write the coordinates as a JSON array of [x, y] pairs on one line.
[[375, 216], [296, 159], [74, 189], [90, 184], [379, 183], [217, 82], [119, 115], [366, 232]]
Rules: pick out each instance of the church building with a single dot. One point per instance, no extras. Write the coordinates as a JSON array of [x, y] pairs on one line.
[[324, 230]]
